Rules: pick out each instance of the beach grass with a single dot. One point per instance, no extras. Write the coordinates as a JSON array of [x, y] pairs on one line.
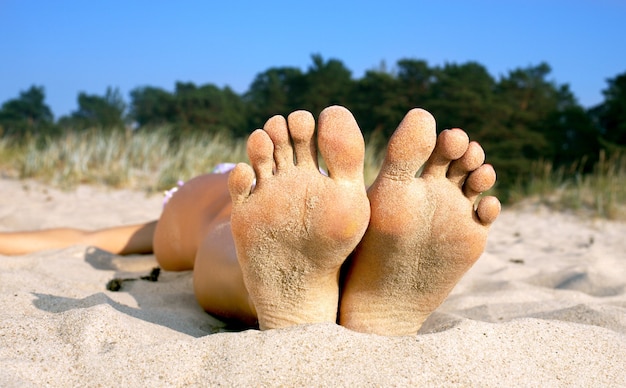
[[145, 160], [155, 160], [599, 193]]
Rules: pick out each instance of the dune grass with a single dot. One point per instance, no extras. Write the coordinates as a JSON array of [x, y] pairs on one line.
[[155, 160], [601, 192], [144, 160]]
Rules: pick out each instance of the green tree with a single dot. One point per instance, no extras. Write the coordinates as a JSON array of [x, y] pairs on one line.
[[105, 112], [27, 115], [416, 78], [209, 108], [272, 92], [325, 83], [152, 106], [611, 114], [527, 97], [463, 96], [571, 132], [378, 102], [541, 120]]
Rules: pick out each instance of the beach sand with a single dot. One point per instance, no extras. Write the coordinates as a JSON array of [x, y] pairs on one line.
[[544, 306]]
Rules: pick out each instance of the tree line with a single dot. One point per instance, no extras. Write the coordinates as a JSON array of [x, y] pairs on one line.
[[520, 117]]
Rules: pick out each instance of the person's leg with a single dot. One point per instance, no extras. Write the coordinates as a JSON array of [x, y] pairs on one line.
[[424, 232], [188, 217], [294, 230], [217, 277], [121, 240], [175, 237], [194, 233]]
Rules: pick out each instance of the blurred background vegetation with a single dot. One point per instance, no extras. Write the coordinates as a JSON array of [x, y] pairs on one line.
[[541, 141]]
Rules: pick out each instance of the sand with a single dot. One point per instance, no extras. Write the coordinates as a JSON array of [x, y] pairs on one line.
[[544, 306]]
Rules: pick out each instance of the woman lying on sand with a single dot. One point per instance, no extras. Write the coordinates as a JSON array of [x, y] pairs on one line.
[[272, 251]]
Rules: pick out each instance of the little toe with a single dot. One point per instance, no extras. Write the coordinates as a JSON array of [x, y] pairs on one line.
[[473, 158], [260, 151], [276, 128], [488, 210], [240, 182], [478, 181], [410, 145], [451, 145], [341, 144]]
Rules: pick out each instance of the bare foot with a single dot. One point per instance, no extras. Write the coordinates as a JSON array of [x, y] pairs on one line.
[[424, 232], [295, 229]]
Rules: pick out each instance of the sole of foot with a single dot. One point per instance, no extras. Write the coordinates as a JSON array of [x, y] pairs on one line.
[[295, 228], [425, 232]]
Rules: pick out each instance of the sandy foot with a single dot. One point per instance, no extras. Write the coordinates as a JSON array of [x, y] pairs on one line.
[[424, 232], [295, 229]]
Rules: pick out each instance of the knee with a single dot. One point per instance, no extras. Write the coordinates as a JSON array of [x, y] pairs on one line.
[[169, 249]]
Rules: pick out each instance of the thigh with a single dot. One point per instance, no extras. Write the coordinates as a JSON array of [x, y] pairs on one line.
[[186, 219], [217, 278]]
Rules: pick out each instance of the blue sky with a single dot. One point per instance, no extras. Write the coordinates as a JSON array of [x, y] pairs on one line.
[[74, 46]]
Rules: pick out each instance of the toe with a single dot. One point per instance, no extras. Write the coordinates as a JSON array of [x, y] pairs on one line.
[[240, 182], [480, 180], [488, 210], [301, 129], [451, 145], [260, 151], [341, 144], [410, 145], [473, 158], [276, 128]]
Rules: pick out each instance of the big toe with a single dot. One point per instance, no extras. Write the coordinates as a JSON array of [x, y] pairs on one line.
[[410, 145], [341, 144]]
